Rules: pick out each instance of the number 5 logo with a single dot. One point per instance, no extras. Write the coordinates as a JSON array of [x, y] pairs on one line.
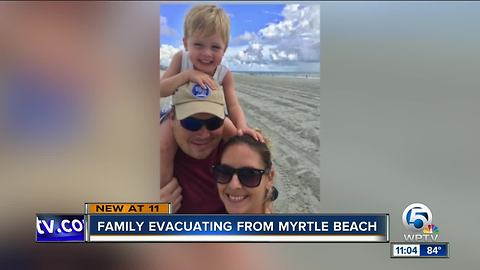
[[416, 216]]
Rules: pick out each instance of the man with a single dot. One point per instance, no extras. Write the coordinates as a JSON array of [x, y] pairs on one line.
[[197, 120]]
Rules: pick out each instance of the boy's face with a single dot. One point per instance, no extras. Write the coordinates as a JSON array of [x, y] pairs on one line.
[[206, 53]]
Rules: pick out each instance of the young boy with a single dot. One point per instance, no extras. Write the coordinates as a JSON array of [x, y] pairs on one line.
[[206, 36]]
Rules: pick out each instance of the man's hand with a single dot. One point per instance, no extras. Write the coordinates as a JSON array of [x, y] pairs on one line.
[[172, 193], [202, 79]]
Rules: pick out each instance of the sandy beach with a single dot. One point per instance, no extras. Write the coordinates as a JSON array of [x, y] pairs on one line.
[[287, 110]]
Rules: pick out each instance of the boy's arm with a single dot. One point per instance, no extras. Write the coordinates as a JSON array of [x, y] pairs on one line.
[[173, 78], [235, 111]]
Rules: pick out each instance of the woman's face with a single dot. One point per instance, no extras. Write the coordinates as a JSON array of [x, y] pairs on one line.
[[239, 199]]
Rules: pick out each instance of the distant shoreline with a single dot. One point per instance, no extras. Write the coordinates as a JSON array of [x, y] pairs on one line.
[[299, 75]]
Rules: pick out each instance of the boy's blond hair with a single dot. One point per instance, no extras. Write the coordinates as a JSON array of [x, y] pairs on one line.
[[207, 20]]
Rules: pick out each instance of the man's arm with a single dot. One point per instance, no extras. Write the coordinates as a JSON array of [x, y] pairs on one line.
[[172, 193]]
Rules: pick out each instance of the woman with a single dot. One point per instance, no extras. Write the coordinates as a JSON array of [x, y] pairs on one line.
[[245, 176]]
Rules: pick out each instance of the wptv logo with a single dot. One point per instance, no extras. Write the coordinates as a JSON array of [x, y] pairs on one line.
[[417, 217]]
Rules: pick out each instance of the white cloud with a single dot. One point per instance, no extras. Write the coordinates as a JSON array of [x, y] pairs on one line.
[[245, 37], [166, 30], [166, 54], [293, 41], [279, 55]]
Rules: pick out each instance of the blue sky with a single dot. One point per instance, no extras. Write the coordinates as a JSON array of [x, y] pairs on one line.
[[267, 37]]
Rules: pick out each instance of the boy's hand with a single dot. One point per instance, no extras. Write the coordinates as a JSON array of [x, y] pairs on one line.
[[202, 79], [172, 193], [252, 132]]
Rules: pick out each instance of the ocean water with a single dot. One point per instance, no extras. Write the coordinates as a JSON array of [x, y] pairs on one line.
[[307, 75]]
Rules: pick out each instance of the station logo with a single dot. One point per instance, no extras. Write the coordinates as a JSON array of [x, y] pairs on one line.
[[418, 218]]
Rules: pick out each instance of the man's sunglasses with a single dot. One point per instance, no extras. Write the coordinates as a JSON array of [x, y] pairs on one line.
[[248, 177], [195, 124]]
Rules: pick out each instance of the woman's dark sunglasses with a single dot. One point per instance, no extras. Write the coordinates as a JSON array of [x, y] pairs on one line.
[[248, 177], [194, 124]]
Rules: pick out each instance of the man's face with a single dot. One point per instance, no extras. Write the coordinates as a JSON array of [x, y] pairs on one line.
[[197, 144]]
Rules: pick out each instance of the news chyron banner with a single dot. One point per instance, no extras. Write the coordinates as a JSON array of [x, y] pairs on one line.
[[153, 222]]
